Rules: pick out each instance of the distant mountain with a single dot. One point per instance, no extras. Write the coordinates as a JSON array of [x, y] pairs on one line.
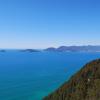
[[84, 85], [88, 48], [2, 50], [50, 49], [30, 50]]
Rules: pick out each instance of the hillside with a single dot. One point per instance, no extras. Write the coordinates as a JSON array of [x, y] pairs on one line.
[[84, 85]]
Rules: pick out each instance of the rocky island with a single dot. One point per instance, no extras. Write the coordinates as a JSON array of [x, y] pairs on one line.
[[84, 85]]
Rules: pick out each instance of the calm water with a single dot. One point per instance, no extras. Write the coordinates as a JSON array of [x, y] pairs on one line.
[[31, 76]]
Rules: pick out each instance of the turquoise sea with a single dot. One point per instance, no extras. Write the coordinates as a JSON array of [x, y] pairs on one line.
[[31, 76]]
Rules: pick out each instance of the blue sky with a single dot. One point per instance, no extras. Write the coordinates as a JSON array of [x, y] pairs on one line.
[[46, 23]]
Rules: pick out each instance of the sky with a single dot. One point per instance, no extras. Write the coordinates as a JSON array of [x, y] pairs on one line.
[[49, 23]]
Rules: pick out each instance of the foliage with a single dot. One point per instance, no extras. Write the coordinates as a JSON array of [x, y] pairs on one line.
[[84, 85]]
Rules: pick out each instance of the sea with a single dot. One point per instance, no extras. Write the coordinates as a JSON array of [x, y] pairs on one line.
[[34, 75]]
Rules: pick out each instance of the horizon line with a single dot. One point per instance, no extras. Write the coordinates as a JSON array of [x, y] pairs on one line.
[[44, 48]]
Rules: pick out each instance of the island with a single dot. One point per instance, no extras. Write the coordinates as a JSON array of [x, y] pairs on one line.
[[84, 85], [30, 50], [2, 50]]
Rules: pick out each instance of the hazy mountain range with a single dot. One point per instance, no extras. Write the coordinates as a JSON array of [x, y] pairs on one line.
[[88, 48]]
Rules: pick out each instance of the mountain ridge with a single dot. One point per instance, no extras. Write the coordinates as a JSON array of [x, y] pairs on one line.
[[88, 48]]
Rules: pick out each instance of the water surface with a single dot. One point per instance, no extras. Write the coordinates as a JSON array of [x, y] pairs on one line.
[[31, 76]]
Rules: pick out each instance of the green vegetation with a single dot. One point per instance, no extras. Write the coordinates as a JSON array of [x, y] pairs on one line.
[[84, 85]]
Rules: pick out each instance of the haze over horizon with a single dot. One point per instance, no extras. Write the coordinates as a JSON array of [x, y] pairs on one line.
[[49, 23]]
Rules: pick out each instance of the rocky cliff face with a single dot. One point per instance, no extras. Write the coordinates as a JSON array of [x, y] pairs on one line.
[[84, 85]]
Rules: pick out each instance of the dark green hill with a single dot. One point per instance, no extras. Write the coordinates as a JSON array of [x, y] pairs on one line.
[[84, 85]]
